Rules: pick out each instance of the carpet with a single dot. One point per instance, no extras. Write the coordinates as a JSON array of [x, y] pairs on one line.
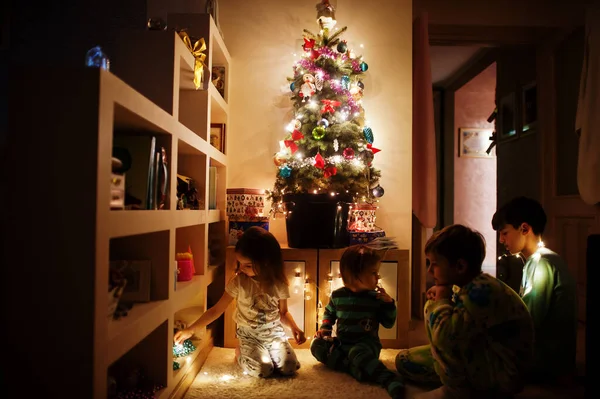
[[221, 377]]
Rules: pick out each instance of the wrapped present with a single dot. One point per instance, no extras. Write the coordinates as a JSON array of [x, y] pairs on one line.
[[245, 204], [362, 218], [364, 237], [197, 49], [237, 228]]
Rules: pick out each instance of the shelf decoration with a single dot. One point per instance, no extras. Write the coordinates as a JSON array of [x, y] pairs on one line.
[[197, 50], [182, 350]]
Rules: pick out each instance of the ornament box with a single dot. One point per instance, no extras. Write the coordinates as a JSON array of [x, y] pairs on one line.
[[364, 237], [362, 218], [237, 228], [245, 204]]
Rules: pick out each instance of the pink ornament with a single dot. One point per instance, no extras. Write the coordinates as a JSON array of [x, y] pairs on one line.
[[348, 153]]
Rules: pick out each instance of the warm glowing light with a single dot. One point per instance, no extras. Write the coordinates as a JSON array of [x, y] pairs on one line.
[[227, 377], [332, 194], [205, 373], [499, 257]]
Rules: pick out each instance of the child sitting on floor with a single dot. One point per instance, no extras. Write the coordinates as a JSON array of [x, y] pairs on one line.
[[358, 308], [479, 329]]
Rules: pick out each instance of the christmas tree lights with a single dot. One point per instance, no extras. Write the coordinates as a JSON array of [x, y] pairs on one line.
[[328, 145]]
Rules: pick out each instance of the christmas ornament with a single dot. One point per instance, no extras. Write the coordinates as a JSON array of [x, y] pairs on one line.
[[323, 122], [378, 191], [319, 161], [297, 124], [96, 58], [360, 84], [318, 132], [345, 80], [285, 171], [309, 44], [326, 15], [373, 149], [291, 145], [336, 145], [183, 349], [368, 133], [329, 171], [308, 87], [279, 159], [348, 153], [329, 106], [297, 135], [318, 83], [342, 47], [156, 24], [292, 86], [364, 66]]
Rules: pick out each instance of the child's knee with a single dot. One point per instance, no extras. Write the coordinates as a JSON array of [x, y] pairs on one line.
[[289, 367], [255, 368], [320, 349], [401, 359]]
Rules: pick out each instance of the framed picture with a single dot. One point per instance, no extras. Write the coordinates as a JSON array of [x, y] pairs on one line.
[[137, 273], [474, 142], [217, 136], [529, 108], [219, 78], [506, 122]]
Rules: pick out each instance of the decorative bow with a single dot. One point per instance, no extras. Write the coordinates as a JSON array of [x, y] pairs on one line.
[[296, 135], [373, 149], [197, 51], [328, 106], [308, 44]]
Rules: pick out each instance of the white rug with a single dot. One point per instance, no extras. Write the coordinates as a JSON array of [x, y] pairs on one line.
[[221, 377]]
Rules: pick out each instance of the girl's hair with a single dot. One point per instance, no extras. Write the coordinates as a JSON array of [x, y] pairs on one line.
[[355, 260], [262, 248]]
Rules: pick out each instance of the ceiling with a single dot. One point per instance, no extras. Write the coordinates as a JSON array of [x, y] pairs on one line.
[[446, 60]]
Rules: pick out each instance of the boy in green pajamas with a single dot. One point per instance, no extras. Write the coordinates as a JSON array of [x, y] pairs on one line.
[[357, 310], [547, 288], [479, 329]]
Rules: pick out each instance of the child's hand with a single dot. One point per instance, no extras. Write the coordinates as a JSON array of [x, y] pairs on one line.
[[182, 335], [383, 296], [439, 292], [299, 336], [323, 333]]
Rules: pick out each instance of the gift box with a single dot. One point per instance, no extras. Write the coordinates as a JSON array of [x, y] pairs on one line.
[[237, 228], [245, 204], [362, 218], [364, 237], [185, 265]]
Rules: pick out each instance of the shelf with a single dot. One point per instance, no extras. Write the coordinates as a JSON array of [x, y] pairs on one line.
[[128, 223], [214, 215], [186, 361], [219, 51], [219, 109], [187, 290], [141, 320], [187, 217]]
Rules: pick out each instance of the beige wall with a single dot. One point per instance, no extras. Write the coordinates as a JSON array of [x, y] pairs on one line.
[[261, 37]]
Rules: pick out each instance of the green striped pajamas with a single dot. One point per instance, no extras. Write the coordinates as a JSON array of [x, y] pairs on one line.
[[356, 348]]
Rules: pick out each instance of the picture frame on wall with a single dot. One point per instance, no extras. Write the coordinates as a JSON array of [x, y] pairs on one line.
[[474, 142], [138, 275], [217, 136], [219, 79], [506, 122], [529, 108]]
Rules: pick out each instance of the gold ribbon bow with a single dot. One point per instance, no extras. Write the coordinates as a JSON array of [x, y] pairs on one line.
[[196, 49]]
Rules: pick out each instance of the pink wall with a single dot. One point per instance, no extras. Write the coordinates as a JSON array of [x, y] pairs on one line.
[[475, 178]]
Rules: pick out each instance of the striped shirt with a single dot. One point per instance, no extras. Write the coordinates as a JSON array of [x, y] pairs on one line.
[[357, 314]]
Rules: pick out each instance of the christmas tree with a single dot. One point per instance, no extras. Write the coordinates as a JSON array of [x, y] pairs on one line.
[[328, 147]]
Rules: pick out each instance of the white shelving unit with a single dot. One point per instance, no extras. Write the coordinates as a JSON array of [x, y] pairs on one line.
[[63, 133]]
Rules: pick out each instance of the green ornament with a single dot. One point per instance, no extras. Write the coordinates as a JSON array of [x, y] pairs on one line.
[[318, 132], [368, 134]]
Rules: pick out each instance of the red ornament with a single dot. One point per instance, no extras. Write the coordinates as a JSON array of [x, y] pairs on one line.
[[319, 161], [291, 145], [328, 106], [373, 149], [348, 153]]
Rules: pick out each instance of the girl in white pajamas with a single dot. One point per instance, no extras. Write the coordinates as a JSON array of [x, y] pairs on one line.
[[261, 289]]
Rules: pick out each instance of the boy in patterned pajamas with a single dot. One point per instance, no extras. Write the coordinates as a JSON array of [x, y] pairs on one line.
[[479, 329], [357, 310]]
